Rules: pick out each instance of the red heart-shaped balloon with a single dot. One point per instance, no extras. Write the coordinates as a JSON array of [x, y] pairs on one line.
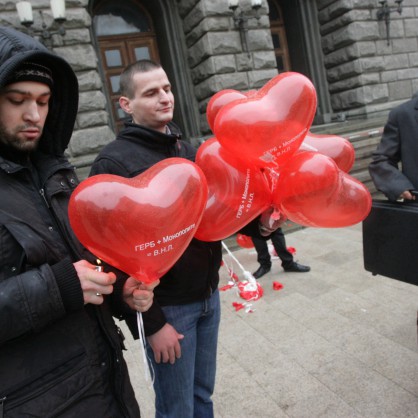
[[219, 100], [267, 127], [312, 191], [341, 150], [238, 192], [140, 225]]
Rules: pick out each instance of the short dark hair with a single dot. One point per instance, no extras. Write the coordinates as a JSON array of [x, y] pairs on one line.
[[141, 66]]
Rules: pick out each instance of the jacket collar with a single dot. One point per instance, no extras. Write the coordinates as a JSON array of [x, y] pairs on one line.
[[48, 164], [154, 139]]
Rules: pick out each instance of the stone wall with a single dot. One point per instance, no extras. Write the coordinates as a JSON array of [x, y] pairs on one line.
[[215, 57], [215, 50], [367, 76]]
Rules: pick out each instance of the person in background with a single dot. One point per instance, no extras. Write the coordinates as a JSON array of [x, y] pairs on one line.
[[182, 324], [60, 349], [398, 147], [264, 259], [394, 165]]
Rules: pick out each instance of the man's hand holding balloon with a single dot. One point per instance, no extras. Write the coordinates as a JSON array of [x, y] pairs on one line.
[[137, 295]]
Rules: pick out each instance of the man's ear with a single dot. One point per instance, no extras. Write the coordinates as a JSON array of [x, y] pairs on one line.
[[124, 103]]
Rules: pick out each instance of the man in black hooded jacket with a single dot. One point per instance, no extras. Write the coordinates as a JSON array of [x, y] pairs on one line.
[[60, 350]]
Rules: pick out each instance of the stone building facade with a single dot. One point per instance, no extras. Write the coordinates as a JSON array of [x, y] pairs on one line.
[[358, 71]]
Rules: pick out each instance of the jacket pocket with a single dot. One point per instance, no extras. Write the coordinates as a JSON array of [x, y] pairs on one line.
[[51, 393], [19, 247]]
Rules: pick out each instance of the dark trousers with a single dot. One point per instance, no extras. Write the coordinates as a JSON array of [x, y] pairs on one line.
[[279, 244]]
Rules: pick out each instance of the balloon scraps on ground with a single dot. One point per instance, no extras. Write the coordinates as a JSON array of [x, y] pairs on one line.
[[244, 241]]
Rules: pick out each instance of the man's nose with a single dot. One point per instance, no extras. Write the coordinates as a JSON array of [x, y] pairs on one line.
[[32, 112], [164, 96]]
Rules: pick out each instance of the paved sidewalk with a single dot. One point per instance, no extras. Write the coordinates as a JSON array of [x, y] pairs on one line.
[[334, 342]]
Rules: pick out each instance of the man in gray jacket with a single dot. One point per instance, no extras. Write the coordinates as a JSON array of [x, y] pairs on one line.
[[394, 166], [398, 146], [60, 350]]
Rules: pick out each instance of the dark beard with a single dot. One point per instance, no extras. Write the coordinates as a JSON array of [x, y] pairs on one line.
[[14, 149]]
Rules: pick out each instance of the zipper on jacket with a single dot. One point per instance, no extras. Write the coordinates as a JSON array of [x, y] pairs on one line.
[[2, 400], [66, 239], [42, 193], [121, 337], [117, 368], [210, 272]]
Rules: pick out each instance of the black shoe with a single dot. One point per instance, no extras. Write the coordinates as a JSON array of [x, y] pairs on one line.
[[297, 268], [261, 271]]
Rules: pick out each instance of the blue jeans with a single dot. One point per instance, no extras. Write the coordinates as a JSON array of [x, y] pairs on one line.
[[184, 389]]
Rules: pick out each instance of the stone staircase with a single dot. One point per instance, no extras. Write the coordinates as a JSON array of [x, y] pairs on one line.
[[364, 135]]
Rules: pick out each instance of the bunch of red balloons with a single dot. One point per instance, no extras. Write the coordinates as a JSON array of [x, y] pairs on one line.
[[262, 155]]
